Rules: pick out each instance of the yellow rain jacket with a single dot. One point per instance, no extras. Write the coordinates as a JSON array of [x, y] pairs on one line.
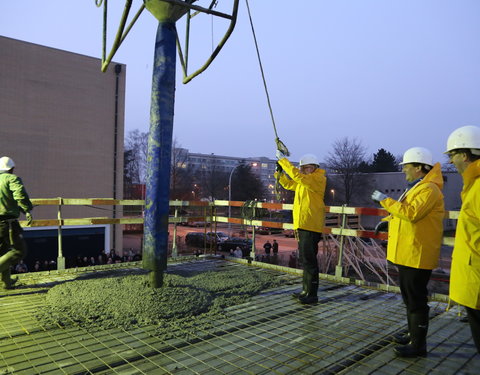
[[415, 228], [465, 269], [308, 206]]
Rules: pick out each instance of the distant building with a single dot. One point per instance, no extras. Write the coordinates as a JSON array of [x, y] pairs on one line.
[[263, 167], [62, 122]]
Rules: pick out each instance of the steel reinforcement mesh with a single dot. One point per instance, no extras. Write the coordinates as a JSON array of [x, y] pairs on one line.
[[347, 332]]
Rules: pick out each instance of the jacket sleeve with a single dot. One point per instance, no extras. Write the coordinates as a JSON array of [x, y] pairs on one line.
[[20, 194], [310, 181], [417, 207], [285, 181]]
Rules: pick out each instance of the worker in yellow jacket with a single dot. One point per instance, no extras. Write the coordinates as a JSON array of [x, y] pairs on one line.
[[415, 232], [309, 183], [463, 149]]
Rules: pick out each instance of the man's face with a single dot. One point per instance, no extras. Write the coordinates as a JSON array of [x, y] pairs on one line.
[[459, 160], [411, 172], [308, 168]]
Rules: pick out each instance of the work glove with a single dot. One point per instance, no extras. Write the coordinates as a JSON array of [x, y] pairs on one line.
[[280, 154], [29, 217], [382, 226], [378, 196], [278, 168]]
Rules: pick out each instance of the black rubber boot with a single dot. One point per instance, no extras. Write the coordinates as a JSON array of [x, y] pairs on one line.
[[310, 289], [401, 338], [298, 295], [418, 334], [404, 338], [308, 300], [8, 281]]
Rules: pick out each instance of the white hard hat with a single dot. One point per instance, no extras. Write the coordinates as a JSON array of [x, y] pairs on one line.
[[465, 137], [417, 155], [6, 163], [309, 159]]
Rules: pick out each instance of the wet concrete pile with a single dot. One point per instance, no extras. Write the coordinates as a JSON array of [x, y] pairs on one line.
[[184, 305]]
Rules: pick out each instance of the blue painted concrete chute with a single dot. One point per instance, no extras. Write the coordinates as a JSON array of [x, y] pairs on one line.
[[159, 153], [167, 12]]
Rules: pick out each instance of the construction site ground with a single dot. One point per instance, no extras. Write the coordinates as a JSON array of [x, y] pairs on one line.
[[347, 332]]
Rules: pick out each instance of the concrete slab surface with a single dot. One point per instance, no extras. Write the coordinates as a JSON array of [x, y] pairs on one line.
[[347, 332]]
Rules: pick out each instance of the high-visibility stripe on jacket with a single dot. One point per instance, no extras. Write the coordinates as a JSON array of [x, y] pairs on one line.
[[308, 205], [415, 228], [465, 268]]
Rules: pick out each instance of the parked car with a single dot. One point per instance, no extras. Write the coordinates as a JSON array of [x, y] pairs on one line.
[[289, 233], [198, 224], [267, 230], [219, 236], [196, 239], [244, 243]]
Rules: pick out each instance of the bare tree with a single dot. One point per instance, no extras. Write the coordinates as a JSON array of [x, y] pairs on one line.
[[136, 148], [181, 175], [345, 160], [211, 181]]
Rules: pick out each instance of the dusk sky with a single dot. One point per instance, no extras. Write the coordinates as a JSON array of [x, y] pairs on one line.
[[391, 73]]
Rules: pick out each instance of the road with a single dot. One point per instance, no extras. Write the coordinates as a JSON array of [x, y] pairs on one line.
[[285, 245]]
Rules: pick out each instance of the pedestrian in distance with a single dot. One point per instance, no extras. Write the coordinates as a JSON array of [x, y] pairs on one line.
[[13, 201], [415, 232], [267, 246], [21, 267], [275, 247], [308, 182], [238, 253], [463, 149]]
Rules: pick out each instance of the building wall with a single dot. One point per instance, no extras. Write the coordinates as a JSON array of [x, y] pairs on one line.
[[62, 122]]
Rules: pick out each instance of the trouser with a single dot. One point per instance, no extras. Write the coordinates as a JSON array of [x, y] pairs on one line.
[[308, 249], [413, 286], [474, 320], [12, 247]]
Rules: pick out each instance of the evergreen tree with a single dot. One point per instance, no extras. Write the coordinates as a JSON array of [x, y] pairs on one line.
[[365, 167], [384, 161], [245, 184]]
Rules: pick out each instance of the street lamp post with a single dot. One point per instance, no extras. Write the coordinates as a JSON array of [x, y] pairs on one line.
[[333, 196], [230, 197]]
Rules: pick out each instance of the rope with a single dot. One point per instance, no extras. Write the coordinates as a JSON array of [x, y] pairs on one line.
[[280, 145], [276, 187]]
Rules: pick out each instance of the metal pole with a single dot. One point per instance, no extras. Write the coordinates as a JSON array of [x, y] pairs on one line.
[[230, 198], [174, 242], [339, 268], [159, 154], [60, 257]]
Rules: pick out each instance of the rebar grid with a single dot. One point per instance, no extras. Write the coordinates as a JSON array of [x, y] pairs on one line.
[[347, 332]]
